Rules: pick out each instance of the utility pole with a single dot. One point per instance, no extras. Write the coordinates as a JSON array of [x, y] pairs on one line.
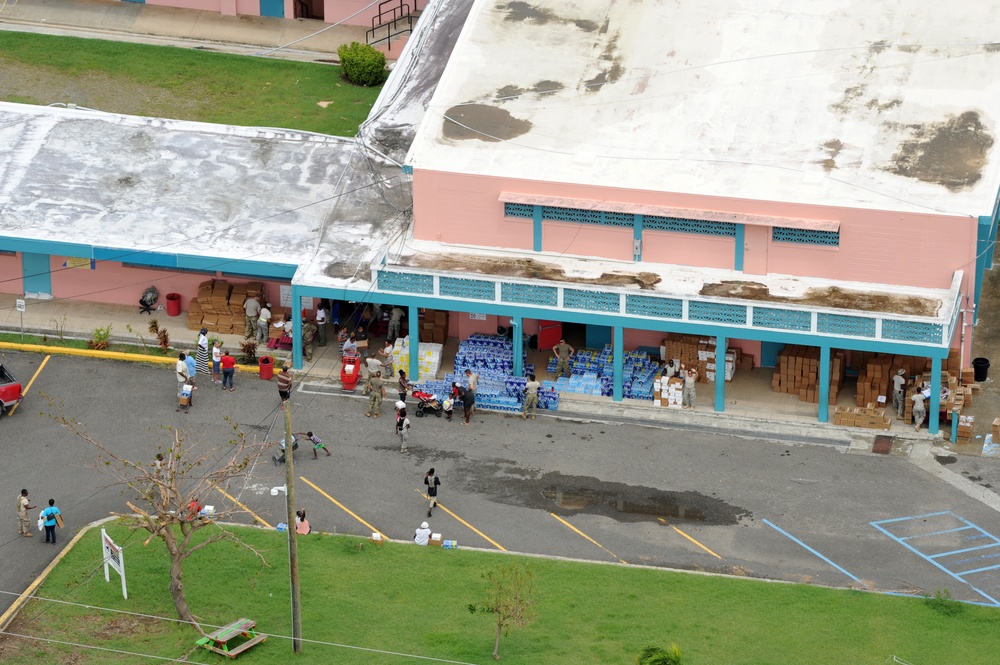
[[293, 546]]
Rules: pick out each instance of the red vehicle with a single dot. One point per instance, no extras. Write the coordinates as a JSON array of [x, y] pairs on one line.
[[10, 390], [350, 372]]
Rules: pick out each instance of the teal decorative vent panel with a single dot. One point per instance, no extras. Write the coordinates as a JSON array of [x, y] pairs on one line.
[[912, 331], [529, 294], [680, 225], [473, 289], [405, 282], [783, 319], [717, 313], [662, 308], [805, 236], [580, 216], [593, 301], [518, 210], [841, 324]]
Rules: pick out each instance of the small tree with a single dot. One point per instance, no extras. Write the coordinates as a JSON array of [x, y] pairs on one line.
[[653, 655], [362, 64], [164, 498], [509, 599]]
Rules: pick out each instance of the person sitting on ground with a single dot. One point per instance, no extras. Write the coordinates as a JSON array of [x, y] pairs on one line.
[[423, 534], [301, 523]]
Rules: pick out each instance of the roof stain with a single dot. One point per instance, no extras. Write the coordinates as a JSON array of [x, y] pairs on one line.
[[875, 105], [833, 148], [832, 296], [524, 11], [991, 48], [909, 48], [545, 87], [527, 268], [479, 121], [611, 69], [507, 92], [951, 153], [850, 95]]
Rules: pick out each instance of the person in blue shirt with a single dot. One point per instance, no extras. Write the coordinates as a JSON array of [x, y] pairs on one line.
[[49, 515], [192, 370]]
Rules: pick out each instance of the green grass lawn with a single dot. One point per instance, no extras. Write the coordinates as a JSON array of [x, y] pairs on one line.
[[180, 83], [151, 349], [411, 600]]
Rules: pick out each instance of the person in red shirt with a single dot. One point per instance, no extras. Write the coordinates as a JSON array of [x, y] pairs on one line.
[[228, 370]]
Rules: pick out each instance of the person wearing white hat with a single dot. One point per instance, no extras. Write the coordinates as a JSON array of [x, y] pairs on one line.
[[898, 391], [423, 534]]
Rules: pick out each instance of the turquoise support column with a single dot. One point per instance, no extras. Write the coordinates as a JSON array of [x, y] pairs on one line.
[[413, 326], [618, 354], [637, 237], [740, 247], [296, 328], [824, 384], [954, 426], [934, 417], [720, 374], [537, 232], [515, 322]]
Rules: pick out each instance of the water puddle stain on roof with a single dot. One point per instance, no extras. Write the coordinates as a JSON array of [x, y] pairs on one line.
[[479, 121], [951, 153]]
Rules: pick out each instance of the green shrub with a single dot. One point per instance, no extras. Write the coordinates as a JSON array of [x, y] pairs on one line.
[[653, 655], [362, 64]]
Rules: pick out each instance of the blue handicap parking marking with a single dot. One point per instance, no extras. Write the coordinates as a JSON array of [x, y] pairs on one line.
[[953, 544]]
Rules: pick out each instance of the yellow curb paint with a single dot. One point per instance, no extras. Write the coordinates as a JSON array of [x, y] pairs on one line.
[[106, 355], [689, 538], [15, 607], [234, 500], [343, 507], [581, 533], [28, 387], [474, 529]]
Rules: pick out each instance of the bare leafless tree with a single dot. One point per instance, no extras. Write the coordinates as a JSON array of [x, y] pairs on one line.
[[168, 492]]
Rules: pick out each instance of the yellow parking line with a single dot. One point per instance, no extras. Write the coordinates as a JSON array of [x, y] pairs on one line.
[[343, 507], [28, 387], [689, 538], [474, 529], [255, 515], [581, 533]]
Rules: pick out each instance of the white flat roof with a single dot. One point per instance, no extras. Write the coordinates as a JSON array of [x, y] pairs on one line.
[[179, 187], [889, 105]]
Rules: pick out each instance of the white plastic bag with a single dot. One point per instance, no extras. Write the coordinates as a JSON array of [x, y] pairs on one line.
[[41, 522]]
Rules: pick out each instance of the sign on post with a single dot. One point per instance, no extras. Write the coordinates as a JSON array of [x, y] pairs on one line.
[[113, 557], [20, 304]]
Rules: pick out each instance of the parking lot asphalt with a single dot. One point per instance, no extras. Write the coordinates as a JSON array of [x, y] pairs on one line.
[[595, 490]]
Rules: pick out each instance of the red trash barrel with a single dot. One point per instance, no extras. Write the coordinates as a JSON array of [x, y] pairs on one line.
[[266, 368], [173, 304]]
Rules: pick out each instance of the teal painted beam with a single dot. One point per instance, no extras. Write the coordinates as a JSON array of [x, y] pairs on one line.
[[296, 327], [413, 328], [515, 323], [53, 248], [536, 216], [985, 237], [637, 237], [954, 426], [720, 374], [618, 358], [824, 384], [934, 417], [740, 247]]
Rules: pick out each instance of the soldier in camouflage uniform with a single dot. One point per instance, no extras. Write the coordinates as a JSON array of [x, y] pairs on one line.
[[376, 393], [309, 331]]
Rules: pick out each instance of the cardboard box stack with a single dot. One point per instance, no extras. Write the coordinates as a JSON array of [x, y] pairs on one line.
[[219, 306], [433, 326], [966, 429], [277, 327], [996, 430], [668, 392], [700, 353], [871, 416], [797, 373]]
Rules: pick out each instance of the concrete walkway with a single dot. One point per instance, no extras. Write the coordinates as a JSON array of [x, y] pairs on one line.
[[168, 26]]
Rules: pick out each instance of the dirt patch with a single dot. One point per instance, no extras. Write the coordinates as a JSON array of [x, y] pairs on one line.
[[951, 153], [832, 297], [479, 121], [833, 148], [529, 269]]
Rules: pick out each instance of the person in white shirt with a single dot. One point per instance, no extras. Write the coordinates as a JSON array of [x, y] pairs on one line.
[[216, 361], [263, 321], [321, 320], [423, 534]]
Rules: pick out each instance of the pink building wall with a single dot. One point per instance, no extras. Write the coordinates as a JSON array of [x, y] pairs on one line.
[[875, 246], [331, 11], [111, 282], [11, 280]]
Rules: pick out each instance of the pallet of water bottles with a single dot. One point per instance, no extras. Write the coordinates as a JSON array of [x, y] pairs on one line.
[[494, 393], [487, 355], [593, 372]]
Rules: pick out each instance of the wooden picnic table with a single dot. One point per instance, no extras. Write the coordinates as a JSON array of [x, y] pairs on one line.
[[218, 641]]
